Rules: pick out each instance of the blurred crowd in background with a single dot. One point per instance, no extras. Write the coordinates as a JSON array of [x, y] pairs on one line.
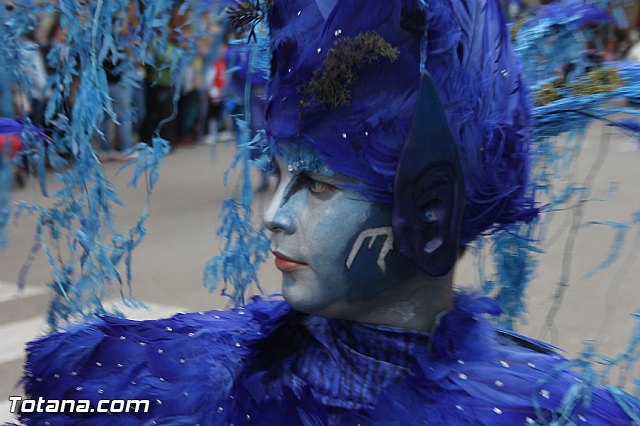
[[212, 90], [145, 99]]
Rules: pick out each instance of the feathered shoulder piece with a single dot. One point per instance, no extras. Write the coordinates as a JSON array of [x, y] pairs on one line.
[[181, 365]]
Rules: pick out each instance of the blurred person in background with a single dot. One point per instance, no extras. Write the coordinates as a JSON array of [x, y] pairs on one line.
[[216, 77], [634, 50], [160, 90], [32, 66], [189, 103], [121, 94]]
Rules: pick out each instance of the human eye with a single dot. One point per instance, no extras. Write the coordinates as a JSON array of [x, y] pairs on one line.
[[317, 187]]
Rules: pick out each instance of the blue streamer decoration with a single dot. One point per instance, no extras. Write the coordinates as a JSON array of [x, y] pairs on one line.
[[546, 43], [245, 246], [77, 234]]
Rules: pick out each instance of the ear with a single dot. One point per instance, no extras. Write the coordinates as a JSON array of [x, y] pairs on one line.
[[429, 189]]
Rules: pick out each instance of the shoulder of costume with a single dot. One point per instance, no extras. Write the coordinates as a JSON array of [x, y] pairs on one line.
[[493, 376], [183, 365]]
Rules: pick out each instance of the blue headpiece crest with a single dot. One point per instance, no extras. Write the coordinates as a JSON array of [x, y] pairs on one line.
[[345, 84]]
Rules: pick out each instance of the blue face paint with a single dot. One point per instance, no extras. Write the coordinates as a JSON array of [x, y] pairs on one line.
[[335, 249]]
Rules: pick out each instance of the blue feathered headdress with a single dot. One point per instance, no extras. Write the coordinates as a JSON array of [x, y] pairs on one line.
[[344, 81], [344, 86]]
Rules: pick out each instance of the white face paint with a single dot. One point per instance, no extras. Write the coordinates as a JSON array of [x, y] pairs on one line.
[[334, 248]]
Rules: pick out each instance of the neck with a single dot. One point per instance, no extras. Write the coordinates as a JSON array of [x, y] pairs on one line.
[[413, 304]]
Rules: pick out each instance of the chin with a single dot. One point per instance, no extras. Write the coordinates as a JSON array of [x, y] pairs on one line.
[[303, 295]]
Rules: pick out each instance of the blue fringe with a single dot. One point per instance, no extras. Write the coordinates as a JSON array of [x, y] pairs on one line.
[[81, 217]]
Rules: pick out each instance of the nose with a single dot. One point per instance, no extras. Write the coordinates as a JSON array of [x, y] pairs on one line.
[[279, 216]]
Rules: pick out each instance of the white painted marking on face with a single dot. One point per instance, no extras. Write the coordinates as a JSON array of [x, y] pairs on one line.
[[372, 234]]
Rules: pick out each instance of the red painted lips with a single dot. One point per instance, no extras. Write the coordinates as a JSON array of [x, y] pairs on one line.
[[286, 264]]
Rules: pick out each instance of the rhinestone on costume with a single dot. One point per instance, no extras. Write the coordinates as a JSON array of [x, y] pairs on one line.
[[160, 351], [299, 12], [344, 136], [39, 379], [216, 316], [158, 402], [57, 376], [319, 49], [168, 329], [504, 364], [79, 388], [220, 410], [338, 32], [120, 365], [237, 345], [532, 365], [191, 334], [98, 364], [545, 393], [462, 376], [290, 167], [186, 393], [73, 373], [133, 382], [504, 73], [143, 344], [529, 420], [366, 133], [100, 391], [248, 417], [459, 407], [123, 338], [182, 361], [582, 418], [162, 379], [499, 383], [289, 70], [497, 410], [461, 362]]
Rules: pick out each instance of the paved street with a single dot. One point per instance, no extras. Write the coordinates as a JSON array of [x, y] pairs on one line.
[[181, 238]]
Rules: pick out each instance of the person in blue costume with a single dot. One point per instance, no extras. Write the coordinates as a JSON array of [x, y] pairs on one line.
[[399, 129]]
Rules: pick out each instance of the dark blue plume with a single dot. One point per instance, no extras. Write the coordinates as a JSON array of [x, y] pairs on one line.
[[362, 136]]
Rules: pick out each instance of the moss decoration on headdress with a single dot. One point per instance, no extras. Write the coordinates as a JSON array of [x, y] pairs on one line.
[[331, 84]]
